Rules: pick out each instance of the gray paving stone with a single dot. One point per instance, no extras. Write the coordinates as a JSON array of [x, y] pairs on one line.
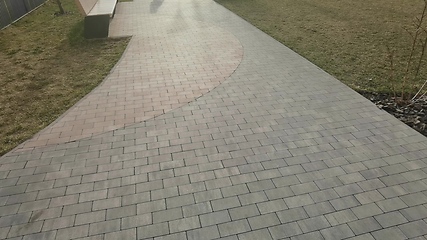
[[225, 203], [148, 186], [203, 176], [369, 197], [263, 221], [204, 233], [391, 204], [394, 191], [366, 236], [67, 181], [373, 173], [257, 234], [365, 225], [277, 193], [328, 183], [367, 210], [304, 188], [164, 193], [176, 181], [390, 219], [104, 203], [192, 188], [413, 187], [285, 230], [389, 233], [234, 190], [286, 181], [348, 189], [414, 229], [177, 236], [124, 234], [73, 232], [323, 195], [15, 219], [209, 195], [313, 224], [120, 212], [414, 213], [81, 188], [21, 198], [341, 217], [197, 209], [25, 229], [215, 218], [172, 202], [104, 227], [292, 215], [272, 206], [150, 231], [309, 236], [260, 185], [167, 215], [57, 223], [414, 199], [134, 198], [40, 186], [92, 196], [24, 179], [218, 183], [371, 184], [136, 221], [244, 212], [151, 206], [251, 198], [317, 209], [337, 232], [345, 202], [298, 201], [42, 235], [3, 232], [90, 217], [46, 214], [32, 206], [232, 228], [184, 224]]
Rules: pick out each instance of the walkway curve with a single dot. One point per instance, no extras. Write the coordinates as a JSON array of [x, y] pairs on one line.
[[168, 63]]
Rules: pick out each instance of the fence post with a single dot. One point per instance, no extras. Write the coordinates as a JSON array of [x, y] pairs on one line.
[[8, 12]]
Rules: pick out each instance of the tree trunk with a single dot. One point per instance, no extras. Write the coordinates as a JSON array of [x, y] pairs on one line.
[[61, 10]]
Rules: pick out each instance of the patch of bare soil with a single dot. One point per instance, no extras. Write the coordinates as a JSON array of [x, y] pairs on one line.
[[412, 114]]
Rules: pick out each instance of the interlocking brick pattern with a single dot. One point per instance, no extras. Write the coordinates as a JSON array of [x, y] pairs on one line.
[[279, 150], [166, 65]]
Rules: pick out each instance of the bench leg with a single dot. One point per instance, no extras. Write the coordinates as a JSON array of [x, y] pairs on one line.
[[97, 26]]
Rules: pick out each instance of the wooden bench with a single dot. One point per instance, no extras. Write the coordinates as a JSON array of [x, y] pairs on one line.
[[98, 14]]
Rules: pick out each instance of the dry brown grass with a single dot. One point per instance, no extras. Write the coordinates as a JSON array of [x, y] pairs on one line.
[[46, 67], [346, 38]]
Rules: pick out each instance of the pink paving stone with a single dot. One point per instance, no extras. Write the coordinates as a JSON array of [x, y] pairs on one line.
[[169, 62]]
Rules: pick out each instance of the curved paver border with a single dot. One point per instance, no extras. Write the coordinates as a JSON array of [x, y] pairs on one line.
[[161, 70]]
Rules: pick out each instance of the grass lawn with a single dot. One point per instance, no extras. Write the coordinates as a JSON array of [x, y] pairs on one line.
[[347, 38], [46, 67]]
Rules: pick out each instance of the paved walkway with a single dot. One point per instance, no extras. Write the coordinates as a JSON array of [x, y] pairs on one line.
[[208, 128]]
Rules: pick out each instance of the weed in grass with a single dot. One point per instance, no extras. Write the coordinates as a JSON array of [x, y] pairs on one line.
[[46, 67], [413, 63]]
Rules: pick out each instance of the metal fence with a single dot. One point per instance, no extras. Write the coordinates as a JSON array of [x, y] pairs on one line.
[[11, 10]]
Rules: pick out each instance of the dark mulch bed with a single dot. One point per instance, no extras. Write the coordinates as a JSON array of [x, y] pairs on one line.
[[414, 115]]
